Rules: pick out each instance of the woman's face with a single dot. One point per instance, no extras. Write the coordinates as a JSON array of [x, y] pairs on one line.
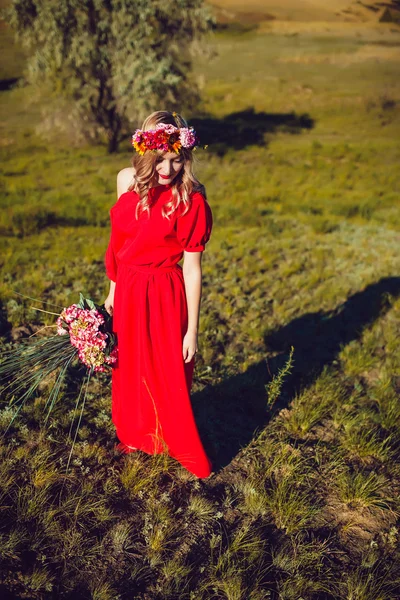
[[168, 165]]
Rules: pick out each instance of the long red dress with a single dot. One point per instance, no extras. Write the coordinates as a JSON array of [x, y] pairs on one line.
[[151, 407]]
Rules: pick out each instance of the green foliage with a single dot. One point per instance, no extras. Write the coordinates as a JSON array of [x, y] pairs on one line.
[[115, 60], [274, 387]]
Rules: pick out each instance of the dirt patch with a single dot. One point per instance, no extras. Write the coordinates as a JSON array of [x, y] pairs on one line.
[[356, 527]]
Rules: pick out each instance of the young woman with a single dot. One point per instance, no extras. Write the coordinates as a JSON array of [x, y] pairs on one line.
[[161, 216]]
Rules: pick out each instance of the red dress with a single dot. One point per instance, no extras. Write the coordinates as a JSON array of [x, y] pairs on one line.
[[151, 407]]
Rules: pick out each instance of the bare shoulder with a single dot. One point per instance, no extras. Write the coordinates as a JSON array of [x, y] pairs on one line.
[[125, 178]]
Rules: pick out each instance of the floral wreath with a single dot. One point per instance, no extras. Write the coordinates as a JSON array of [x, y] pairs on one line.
[[164, 137]]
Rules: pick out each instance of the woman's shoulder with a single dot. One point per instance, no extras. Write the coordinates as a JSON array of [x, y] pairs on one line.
[[198, 204], [199, 188], [125, 201], [198, 195], [125, 178]]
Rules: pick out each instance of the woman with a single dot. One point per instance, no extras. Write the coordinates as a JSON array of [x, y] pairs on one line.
[[161, 215]]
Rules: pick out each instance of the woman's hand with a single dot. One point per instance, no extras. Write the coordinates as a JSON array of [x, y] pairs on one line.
[[109, 302], [189, 346]]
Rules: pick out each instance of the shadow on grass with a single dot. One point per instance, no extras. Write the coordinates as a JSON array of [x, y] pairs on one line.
[[246, 128], [8, 84], [228, 415]]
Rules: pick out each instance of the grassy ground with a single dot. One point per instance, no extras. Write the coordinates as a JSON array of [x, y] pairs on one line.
[[302, 176]]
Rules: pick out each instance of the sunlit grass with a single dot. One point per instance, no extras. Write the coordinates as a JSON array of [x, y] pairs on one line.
[[361, 491], [370, 584], [366, 444]]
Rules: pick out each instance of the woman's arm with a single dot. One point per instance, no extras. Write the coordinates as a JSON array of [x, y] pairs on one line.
[[124, 180], [192, 275], [109, 301]]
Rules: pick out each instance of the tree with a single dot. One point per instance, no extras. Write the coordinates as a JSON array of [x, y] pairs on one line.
[[116, 59]]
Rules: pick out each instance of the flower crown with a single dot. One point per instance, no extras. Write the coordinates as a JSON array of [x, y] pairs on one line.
[[164, 137]]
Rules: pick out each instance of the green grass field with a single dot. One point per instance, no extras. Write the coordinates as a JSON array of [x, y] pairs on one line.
[[302, 174]]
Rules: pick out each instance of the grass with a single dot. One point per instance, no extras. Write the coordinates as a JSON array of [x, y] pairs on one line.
[[363, 490], [296, 382]]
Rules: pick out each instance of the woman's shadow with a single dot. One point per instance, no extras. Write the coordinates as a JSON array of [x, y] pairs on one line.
[[229, 414]]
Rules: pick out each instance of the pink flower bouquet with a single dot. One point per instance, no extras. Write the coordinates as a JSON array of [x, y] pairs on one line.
[[88, 334], [84, 335]]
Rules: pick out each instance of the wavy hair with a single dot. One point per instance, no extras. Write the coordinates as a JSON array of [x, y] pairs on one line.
[[145, 170]]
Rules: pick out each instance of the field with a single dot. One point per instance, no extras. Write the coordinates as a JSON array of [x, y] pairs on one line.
[[302, 174]]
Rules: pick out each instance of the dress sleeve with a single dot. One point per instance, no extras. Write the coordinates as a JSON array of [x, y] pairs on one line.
[[194, 227], [110, 260]]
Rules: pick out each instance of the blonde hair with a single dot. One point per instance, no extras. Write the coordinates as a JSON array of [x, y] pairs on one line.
[[145, 170]]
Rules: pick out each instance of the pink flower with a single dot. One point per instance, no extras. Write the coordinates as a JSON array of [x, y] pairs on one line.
[[188, 137], [167, 128], [83, 326]]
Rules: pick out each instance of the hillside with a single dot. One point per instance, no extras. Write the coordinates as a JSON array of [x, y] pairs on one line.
[[304, 10]]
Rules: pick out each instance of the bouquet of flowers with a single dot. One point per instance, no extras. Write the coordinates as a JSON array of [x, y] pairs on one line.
[[84, 334], [90, 333]]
